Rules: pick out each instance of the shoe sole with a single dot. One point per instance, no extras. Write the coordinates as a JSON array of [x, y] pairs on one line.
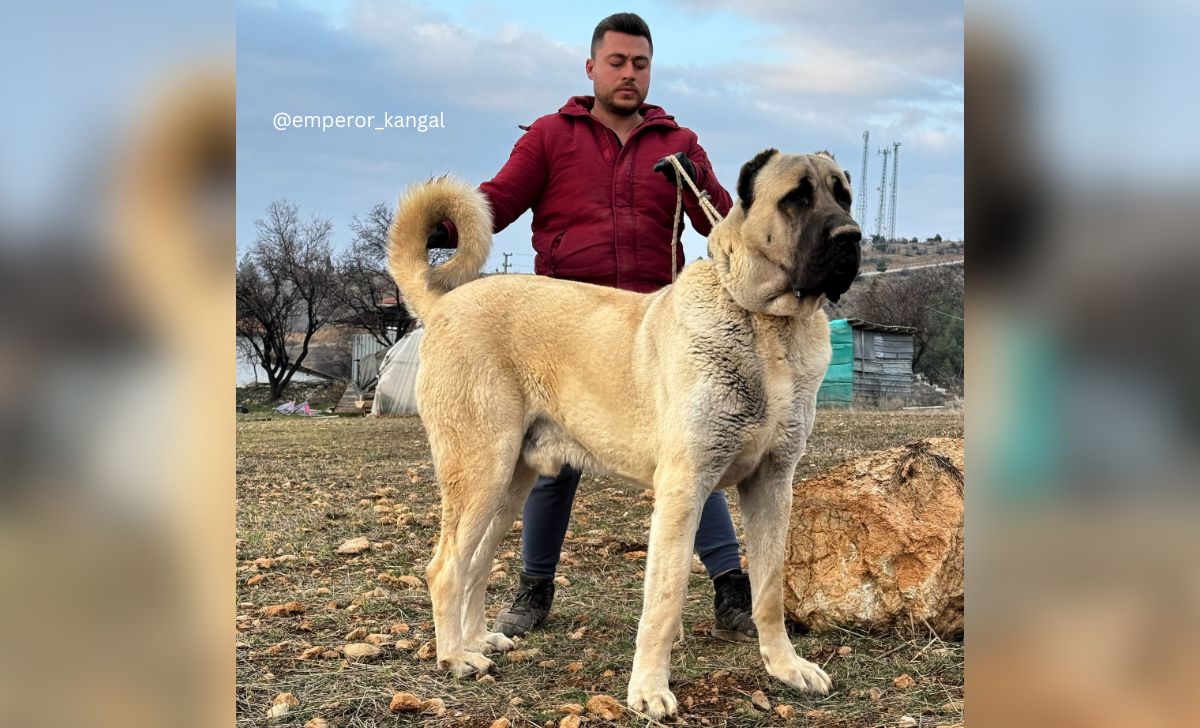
[[731, 635]]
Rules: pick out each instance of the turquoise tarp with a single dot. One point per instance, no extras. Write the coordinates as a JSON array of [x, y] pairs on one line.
[[838, 386]]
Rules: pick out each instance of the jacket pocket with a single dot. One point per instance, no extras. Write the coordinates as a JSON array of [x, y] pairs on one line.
[[554, 246]]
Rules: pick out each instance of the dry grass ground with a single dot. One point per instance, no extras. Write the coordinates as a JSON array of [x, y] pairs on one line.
[[306, 486]]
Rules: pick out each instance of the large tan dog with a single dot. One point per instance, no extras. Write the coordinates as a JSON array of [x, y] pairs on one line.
[[708, 383]]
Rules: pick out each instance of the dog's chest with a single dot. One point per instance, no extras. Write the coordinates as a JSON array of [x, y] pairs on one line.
[[778, 411]]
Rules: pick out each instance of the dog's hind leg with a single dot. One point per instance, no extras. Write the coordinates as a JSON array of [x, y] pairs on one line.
[[679, 495], [476, 636], [766, 503], [473, 489]]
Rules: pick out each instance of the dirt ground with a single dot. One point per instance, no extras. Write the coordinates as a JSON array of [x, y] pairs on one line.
[[306, 486]]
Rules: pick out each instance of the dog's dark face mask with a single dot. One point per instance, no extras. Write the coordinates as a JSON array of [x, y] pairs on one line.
[[795, 236]]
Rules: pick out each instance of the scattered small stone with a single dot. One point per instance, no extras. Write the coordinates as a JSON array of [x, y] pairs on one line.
[[361, 651], [578, 634], [254, 580], [571, 708], [356, 634], [903, 682], [282, 705], [562, 581], [844, 650], [547, 664], [410, 581], [405, 703], [759, 699], [516, 701], [635, 555], [434, 705], [486, 679], [907, 722], [604, 707], [311, 653], [399, 628], [428, 651], [283, 610], [500, 723], [786, 712], [523, 655], [355, 545], [317, 723], [874, 694], [606, 673], [571, 721], [815, 714]]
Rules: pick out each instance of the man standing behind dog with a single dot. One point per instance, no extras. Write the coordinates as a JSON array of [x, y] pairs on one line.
[[602, 215]]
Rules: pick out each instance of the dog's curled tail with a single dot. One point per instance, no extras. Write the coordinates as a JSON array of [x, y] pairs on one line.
[[422, 207]]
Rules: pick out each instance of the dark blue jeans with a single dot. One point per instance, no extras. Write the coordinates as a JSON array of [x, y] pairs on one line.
[[548, 511]]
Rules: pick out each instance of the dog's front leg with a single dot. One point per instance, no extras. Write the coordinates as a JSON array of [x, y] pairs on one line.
[[678, 499], [766, 503]]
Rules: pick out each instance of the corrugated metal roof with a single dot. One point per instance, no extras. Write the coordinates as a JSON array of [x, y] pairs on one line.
[[868, 326]]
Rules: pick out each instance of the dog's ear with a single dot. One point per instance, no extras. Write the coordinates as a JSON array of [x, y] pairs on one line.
[[745, 185]]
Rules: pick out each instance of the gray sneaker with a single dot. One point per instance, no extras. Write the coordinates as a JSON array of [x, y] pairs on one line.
[[529, 609], [731, 606]]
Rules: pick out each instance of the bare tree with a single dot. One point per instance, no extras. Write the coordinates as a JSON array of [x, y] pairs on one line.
[[369, 296], [286, 286], [929, 300]]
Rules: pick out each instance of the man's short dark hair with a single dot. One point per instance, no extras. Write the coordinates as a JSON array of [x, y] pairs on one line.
[[627, 23]]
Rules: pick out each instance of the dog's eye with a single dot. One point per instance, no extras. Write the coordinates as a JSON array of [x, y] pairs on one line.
[[799, 198], [841, 194]]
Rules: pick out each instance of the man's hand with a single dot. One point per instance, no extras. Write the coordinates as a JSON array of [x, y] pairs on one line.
[[668, 170], [437, 238]]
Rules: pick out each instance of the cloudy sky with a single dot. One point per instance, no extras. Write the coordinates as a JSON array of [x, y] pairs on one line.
[[799, 76]]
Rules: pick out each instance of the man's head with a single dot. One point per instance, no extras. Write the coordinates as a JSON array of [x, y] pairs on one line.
[[620, 63]]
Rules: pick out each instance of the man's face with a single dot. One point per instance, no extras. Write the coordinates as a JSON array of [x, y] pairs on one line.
[[620, 72]]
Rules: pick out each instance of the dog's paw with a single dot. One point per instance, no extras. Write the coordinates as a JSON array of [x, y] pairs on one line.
[[492, 643], [466, 663], [656, 702], [802, 675]]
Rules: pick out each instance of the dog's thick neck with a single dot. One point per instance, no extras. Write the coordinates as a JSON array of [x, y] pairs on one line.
[[751, 281]]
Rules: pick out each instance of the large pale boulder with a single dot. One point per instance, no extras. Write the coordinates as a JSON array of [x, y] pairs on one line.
[[877, 543]]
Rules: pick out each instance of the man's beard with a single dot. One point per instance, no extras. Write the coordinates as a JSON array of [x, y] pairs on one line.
[[626, 108]]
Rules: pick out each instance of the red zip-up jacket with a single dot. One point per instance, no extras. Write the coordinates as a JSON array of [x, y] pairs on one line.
[[600, 213]]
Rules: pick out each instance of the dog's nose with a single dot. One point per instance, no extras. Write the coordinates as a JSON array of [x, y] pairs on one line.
[[845, 235]]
